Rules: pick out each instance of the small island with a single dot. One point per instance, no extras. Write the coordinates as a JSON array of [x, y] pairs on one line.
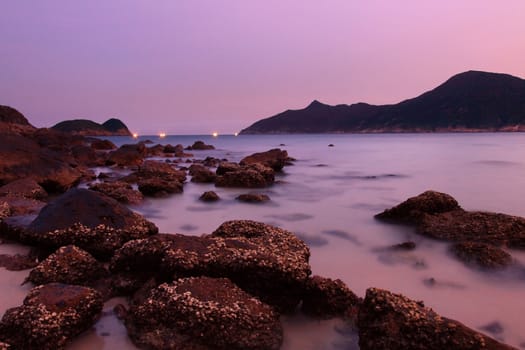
[[112, 127]]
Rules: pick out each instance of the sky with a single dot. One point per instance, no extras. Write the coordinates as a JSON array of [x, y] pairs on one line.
[[198, 66]]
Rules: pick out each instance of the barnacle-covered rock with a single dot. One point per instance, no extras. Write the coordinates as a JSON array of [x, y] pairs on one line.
[[482, 255], [70, 265], [50, 317], [128, 155], [393, 321], [254, 175], [203, 313], [274, 158], [209, 196], [156, 187], [89, 220], [152, 169], [199, 173], [118, 190], [253, 197], [24, 188]]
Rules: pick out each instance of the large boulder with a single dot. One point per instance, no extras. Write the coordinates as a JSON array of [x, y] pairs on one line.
[[50, 317], [413, 209], [128, 155], [266, 261], [156, 187], [395, 322], [89, 220], [87, 156], [69, 265], [250, 176], [118, 190], [274, 158], [102, 145], [203, 313], [199, 173], [227, 167], [14, 122], [481, 255], [152, 169], [200, 146], [21, 157], [209, 196], [24, 188]]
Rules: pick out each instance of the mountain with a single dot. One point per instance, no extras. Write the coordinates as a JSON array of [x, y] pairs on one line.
[[112, 127], [469, 101]]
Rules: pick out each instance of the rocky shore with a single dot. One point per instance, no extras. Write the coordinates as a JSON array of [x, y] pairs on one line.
[[225, 289]]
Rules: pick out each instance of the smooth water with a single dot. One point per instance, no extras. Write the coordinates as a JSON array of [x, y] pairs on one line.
[[329, 198]]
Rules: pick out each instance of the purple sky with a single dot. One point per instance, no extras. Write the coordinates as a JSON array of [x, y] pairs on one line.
[[198, 66]]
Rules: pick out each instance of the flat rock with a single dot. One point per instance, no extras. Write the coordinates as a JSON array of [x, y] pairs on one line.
[[274, 158], [69, 265], [481, 255], [89, 220], [200, 145], [253, 197], [203, 313], [155, 187], [251, 176], [393, 321], [50, 317], [118, 190], [227, 167]]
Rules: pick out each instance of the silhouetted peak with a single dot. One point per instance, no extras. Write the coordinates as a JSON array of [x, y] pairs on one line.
[[316, 104]]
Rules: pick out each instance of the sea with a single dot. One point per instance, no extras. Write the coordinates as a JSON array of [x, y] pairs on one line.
[[329, 197]]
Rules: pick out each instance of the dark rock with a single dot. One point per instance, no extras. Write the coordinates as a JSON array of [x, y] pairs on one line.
[[274, 158], [104, 145], [155, 151], [116, 127], [69, 265], [21, 157], [128, 155], [16, 206], [227, 167], [112, 127], [50, 316], [326, 298], [200, 145], [18, 262], [481, 255], [409, 245], [253, 197], [14, 122], [209, 196], [158, 187], [201, 174], [393, 321], [331, 145], [24, 188], [156, 170], [203, 313], [178, 150], [120, 191], [413, 209], [211, 162], [87, 156], [252, 176], [89, 220]]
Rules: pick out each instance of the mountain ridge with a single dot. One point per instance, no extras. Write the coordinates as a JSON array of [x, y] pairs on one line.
[[469, 101], [85, 127]]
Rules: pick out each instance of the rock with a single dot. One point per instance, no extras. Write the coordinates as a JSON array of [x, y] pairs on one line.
[[490, 228], [266, 261], [326, 298], [14, 122], [274, 158], [128, 155], [24, 188], [155, 151], [414, 208], [408, 245], [156, 170], [252, 176], [69, 265], [89, 220], [253, 197], [118, 190], [481, 255], [5, 210], [201, 174], [18, 262], [200, 145], [159, 187], [393, 321], [87, 156], [211, 162], [227, 167], [209, 196], [331, 145], [102, 145], [50, 316], [21, 157], [203, 313]]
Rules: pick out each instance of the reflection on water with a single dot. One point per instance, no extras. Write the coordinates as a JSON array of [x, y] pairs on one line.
[[329, 198]]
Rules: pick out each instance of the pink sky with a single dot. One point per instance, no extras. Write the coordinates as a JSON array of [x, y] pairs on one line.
[[198, 66]]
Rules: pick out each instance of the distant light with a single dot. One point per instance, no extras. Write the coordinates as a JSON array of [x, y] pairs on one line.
[[215, 134], [162, 135], [135, 135], [236, 134]]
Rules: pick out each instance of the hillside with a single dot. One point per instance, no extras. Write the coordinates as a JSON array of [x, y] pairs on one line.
[[470, 101], [112, 127]]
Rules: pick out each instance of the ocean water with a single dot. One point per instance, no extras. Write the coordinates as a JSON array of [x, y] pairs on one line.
[[329, 197]]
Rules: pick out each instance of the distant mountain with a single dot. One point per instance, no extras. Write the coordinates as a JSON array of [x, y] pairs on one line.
[[112, 127], [470, 101]]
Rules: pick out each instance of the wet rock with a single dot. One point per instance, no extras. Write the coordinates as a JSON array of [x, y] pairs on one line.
[[16, 206], [209, 196], [251, 176], [118, 190], [274, 158], [50, 317], [18, 262], [24, 188], [266, 261], [253, 197], [128, 155], [327, 298], [201, 174], [227, 167], [69, 265], [89, 220], [393, 321], [102, 145], [14, 122], [21, 157], [5, 210], [211, 162], [490, 228], [203, 313], [158, 187], [413, 209], [155, 151], [408, 245], [173, 149], [156, 170], [87, 156], [200, 145], [481, 255]]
